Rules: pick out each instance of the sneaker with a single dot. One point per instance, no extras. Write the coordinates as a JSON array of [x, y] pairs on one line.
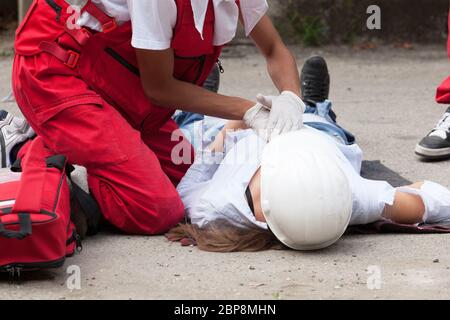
[[436, 144], [13, 130], [315, 80]]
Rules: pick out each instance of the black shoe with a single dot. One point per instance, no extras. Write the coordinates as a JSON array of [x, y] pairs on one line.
[[436, 144], [315, 80]]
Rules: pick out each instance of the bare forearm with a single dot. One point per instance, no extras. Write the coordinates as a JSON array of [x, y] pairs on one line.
[[192, 98], [157, 69], [407, 208], [280, 61], [283, 70]]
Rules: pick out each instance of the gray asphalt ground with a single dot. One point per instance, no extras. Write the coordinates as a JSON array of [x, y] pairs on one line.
[[386, 97]]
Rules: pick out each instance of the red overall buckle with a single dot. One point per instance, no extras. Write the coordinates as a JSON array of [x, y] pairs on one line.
[[72, 59], [68, 57], [109, 26], [81, 36]]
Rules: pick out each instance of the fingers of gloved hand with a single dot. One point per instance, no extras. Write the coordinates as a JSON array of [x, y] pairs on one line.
[[294, 100], [297, 125], [273, 120], [263, 120], [287, 127], [264, 134], [251, 114], [292, 96], [267, 101], [275, 132], [258, 121], [275, 125]]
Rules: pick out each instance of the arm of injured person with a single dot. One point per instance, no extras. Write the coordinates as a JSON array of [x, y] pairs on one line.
[[423, 202]]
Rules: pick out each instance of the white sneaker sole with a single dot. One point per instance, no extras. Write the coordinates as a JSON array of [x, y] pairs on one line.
[[432, 153]]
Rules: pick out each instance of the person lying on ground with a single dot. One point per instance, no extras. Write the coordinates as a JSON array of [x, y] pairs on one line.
[[300, 190]]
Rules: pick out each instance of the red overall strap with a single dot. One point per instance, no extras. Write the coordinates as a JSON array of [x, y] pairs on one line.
[[68, 57], [31, 185], [108, 23], [80, 35]]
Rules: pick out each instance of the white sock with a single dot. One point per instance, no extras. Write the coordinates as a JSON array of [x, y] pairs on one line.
[[436, 199]]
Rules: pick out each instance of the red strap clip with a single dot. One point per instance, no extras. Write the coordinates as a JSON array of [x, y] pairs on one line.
[[109, 26], [68, 57], [72, 59]]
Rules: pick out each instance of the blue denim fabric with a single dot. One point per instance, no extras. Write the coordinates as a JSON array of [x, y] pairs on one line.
[[323, 110], [184, 119], [212, 126]]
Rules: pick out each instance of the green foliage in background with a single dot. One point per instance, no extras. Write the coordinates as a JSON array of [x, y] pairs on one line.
[[309, 29]]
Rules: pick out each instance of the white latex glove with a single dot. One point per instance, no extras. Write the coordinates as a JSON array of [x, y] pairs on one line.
[[257, 118], [286, 112]]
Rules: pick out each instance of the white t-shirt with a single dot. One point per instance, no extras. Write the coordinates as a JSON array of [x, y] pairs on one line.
[[153, 21]]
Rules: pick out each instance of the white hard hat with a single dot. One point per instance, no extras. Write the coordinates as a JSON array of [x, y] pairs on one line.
[[305, 195]]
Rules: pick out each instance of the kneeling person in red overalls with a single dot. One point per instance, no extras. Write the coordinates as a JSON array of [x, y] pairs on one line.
[[99, 80]]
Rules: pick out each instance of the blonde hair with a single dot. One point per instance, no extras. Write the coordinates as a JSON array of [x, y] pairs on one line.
[[221, 236]]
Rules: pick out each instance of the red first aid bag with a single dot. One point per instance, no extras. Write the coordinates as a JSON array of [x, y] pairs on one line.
[[35, 225]]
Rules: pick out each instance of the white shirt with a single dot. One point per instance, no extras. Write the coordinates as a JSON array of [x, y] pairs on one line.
[[214, 186], [153, 21]]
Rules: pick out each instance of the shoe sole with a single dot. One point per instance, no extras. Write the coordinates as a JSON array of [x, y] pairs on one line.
[[432, 153]]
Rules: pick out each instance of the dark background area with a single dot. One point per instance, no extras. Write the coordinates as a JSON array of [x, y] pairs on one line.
[[320, 22], [8, 12], [316, 22]]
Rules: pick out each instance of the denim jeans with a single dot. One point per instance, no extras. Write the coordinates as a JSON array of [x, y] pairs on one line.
[[323, 110]]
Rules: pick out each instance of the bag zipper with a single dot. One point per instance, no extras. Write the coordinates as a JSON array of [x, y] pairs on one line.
[[77, 239], [17, 267]]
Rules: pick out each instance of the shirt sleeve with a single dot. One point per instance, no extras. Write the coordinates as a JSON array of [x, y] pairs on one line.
[[252, 11], [202, 170], [369, 199], [153, 22]]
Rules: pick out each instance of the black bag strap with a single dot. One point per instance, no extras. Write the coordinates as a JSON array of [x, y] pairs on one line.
[[25, 228], [57, 161], [17, 165], [89, 207]]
